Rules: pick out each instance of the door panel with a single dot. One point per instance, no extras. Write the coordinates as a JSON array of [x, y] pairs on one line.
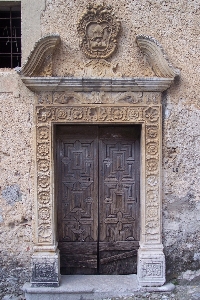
[[78, 199], [98, 198], [119, 199]]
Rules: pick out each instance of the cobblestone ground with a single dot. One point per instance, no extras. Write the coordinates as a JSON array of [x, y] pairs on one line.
[[180, 292]]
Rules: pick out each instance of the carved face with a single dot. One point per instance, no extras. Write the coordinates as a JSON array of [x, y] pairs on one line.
[[98, 36]]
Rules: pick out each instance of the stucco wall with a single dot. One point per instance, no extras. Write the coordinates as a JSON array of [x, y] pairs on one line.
[[175, 25]]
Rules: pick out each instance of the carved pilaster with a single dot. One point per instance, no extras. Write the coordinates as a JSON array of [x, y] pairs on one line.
[[44, 203]]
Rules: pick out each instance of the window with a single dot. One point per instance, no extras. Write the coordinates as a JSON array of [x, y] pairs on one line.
[[10, 34]]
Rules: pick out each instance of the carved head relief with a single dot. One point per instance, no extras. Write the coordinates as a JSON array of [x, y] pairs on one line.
[[98, 29]]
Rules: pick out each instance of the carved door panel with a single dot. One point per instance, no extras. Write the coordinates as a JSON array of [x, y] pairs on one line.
[[98, 198], [78, 199], [118, 199]]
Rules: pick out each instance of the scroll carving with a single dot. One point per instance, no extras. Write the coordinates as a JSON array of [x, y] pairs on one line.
[[95, 97], [98, 29], [39, 62], [156, 57]]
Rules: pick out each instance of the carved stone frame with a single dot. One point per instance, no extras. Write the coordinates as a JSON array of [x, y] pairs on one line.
[[146, 111]]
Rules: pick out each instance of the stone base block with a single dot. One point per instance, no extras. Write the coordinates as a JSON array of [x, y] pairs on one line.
[[45, 269], [151, 268]]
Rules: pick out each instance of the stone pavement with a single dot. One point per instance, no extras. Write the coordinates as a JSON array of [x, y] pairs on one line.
[[181, 292]]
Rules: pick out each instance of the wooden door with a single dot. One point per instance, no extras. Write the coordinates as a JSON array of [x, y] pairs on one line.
[[98, 198]]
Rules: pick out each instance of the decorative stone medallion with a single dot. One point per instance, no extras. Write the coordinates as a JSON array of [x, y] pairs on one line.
[[98, 29]]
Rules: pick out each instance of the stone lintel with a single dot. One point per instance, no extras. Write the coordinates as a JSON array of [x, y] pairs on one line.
[[58, 84]]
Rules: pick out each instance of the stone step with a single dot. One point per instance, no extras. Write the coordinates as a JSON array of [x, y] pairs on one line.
[[92, 287]]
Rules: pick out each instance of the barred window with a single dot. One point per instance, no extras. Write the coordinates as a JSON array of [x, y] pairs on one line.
[[10, 35]]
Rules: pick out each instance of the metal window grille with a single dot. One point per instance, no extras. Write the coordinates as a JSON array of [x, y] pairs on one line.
[[10, 36]]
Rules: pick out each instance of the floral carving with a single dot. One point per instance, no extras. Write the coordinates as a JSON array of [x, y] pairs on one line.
[[117, 114], [133, 114], [152, 197], [43, 181], [98, 29], [43, 114], [152, 180], [77, 113], [152, 148], [43, 165], [43, 133], [152, 212], [152, 229], [92, 113], [45, 231], [152, 165], [61, 114], [44, 213], [103, 114], [43, 149], [152, 131], [151, 114], [44, 197]]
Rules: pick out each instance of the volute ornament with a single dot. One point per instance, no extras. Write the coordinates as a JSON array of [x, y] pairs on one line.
[[98, 29]]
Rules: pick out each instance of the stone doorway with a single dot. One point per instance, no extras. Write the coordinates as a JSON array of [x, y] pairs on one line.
[[97, 100], [98, 192]]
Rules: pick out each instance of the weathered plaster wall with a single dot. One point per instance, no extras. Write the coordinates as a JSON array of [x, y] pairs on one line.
[[31, 24], [181, 173], [175, 25], [16, 183]]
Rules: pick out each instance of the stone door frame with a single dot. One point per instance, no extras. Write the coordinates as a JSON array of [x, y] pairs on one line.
[[145, 110], [63, 100]]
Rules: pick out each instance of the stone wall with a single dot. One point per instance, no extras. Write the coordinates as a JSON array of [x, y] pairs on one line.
[[17, 170], [174, 24]]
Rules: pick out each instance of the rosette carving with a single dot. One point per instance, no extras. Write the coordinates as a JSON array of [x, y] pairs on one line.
[[151, 114], [43, 165]]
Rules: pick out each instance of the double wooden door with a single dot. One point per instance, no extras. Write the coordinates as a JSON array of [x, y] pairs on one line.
[[97, 187]]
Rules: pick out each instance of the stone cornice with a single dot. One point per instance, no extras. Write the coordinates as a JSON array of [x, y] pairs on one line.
[[58, 84], [39, 62], [156, 57]]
